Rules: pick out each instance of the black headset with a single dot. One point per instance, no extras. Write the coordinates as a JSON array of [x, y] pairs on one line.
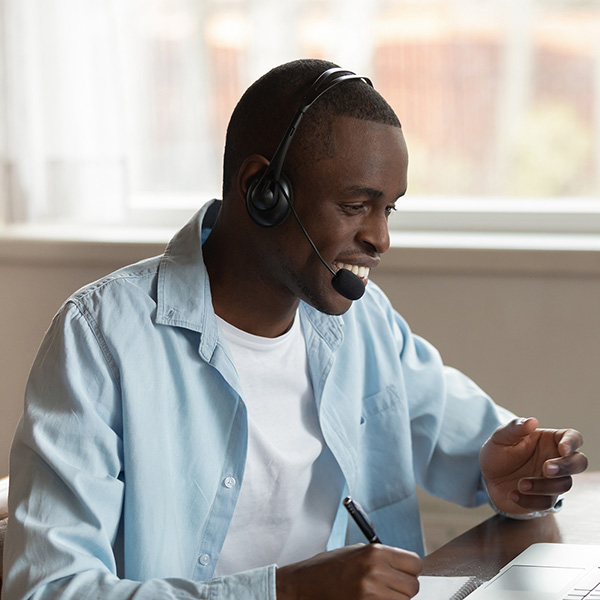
[[270, 195]]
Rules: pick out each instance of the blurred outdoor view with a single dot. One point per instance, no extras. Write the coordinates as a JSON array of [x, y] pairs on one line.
[[498, 98], [113, 106]]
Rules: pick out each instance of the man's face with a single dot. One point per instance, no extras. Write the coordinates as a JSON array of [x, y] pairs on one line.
[[344, 203]]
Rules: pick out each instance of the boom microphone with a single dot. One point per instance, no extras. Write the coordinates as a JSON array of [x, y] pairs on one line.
[[344, 282]]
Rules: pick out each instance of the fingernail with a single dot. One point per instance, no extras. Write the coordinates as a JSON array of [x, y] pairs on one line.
[[552, 469], [565, 449], [514, 496], [525, 485]]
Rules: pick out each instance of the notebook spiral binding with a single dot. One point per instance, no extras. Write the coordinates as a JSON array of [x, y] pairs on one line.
[[469, 586]]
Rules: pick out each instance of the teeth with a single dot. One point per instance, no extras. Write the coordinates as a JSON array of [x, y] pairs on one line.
[[362, 272]]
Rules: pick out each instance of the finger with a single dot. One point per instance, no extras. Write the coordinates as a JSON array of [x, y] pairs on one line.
[[571, 464], [406, 585], [397, 559], [514, 431], [533, 503], [568, 441], [406, 562], [545, 487]]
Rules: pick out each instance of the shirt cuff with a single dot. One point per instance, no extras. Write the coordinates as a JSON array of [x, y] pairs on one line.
[[256, 584], [532, 515]]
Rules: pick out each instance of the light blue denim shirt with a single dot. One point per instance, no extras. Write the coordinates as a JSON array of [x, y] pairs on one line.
[[128, 460]]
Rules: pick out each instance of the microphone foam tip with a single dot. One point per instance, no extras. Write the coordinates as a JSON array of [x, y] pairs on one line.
[[348, 284]]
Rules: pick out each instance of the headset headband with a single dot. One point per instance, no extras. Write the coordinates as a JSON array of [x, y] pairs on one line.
[[324, 82]]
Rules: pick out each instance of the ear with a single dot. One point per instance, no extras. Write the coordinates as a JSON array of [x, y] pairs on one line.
[[250, 168]]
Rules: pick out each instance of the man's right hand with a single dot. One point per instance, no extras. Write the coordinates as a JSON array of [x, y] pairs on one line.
[[359, 572]]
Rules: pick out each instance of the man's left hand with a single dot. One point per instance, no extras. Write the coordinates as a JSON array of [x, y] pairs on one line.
[[526, 468]]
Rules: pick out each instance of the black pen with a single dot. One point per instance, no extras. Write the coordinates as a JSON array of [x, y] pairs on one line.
[[360, 518]]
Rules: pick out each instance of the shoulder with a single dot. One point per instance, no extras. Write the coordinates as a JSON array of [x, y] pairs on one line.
[[112, 300], [133, 281]]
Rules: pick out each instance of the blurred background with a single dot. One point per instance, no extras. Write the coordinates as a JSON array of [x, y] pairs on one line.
[[112, 108]]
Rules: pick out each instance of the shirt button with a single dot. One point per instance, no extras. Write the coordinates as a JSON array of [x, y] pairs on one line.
[[204, 560], [229, 482]]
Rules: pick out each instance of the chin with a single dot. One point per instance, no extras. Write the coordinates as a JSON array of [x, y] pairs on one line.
[[338, 310], [330, 303], [332, 311], [321, 296]]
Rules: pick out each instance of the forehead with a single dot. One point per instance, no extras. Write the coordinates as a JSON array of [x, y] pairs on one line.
[[365, 153], [361, 136]]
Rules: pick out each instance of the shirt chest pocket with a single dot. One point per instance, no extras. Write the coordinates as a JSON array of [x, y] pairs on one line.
[[385, 450], [378, 404]]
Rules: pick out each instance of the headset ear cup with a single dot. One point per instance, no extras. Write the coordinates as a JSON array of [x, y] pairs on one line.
[[268, 199]]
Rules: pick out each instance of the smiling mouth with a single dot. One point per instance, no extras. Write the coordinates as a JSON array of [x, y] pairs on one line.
[[362, 272]]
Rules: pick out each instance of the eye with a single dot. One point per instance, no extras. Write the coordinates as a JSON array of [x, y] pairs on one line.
[[390, 209], [353, 208]]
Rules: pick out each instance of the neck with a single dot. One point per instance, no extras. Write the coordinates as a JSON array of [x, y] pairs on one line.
[[240, 295]]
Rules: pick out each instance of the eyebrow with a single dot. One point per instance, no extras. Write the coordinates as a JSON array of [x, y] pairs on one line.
[[359, 190]]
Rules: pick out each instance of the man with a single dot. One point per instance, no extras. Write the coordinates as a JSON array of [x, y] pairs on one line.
[[196, 419]]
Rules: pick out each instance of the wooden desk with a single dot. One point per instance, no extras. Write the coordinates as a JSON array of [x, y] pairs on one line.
[[485, 549]]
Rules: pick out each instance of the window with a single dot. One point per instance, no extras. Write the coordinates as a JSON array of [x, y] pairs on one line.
[[114, 111]]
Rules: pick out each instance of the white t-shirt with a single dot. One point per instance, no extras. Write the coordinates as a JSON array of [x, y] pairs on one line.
[[292, 484]]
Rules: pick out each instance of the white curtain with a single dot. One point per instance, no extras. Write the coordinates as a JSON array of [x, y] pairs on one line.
[[64, 148], [101, 102]]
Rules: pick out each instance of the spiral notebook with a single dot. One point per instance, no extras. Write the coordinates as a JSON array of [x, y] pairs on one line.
[[446, 588]]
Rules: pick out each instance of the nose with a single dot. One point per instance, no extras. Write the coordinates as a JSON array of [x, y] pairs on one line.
[[375, 232]]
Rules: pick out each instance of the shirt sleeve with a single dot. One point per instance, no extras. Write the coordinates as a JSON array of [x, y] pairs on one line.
[[67, 484], [451, 418]]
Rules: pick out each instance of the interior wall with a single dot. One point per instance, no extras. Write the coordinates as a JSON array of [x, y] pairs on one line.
[[530, 341], [529, 337]]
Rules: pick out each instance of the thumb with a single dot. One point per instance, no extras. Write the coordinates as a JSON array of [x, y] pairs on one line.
[[514, 431]]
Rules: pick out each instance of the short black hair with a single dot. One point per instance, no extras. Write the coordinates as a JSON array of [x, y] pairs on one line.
[[266, 109]]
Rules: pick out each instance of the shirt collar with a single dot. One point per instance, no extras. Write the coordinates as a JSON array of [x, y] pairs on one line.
[[183, 294]]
